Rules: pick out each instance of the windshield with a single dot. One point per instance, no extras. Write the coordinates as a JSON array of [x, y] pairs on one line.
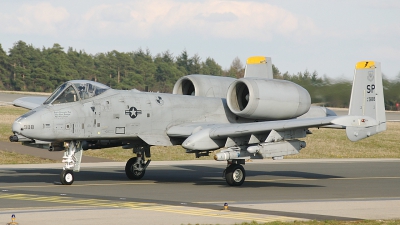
[[55, 93], [69, 95], [76, 90]]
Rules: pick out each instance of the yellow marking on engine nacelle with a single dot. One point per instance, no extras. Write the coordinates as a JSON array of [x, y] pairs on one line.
[[256, 60], [365, 65]]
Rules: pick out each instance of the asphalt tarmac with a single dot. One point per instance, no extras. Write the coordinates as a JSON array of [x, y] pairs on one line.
[[194, 192], [6, 97]]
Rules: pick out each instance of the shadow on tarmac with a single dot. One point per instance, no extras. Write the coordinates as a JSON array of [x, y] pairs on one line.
[[195, 175]]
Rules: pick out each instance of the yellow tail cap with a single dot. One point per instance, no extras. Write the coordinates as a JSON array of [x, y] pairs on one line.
[[256, 60], [365, 64]]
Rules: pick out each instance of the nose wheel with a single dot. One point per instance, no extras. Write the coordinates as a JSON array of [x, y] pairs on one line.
[[67, 177]]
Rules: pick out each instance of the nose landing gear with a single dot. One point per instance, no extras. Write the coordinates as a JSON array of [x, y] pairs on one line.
[[72, 162]]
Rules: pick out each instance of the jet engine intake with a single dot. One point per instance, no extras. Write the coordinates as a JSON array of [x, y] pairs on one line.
[[267, 99], [203, 85]]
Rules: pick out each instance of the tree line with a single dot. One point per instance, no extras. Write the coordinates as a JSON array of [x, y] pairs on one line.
[[336, 92], [27, 68]]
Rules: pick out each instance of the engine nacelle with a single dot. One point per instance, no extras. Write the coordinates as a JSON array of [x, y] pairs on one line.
[[267, 99], [203, 85]]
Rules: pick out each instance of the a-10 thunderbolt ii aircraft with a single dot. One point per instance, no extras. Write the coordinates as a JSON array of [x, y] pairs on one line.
[[254, 117]]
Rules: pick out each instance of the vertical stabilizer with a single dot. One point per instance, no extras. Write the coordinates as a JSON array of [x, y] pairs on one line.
[[367, 100], [259, 66]]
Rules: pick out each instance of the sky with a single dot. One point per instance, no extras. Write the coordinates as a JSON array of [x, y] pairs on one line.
[[324, 36]]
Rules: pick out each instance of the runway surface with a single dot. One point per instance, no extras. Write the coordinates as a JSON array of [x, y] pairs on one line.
[[6, 97], [194, 192]]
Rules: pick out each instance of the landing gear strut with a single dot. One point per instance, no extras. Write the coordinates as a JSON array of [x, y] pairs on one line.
[[72, 162], [135, 168], [235, 173]]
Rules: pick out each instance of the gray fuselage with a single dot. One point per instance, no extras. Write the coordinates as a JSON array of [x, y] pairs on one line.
[[119, 114]]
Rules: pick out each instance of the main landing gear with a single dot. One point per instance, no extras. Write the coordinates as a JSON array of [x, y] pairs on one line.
[[135, 168], [234, 173]]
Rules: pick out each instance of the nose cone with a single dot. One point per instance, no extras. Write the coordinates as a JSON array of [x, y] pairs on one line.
[[16, 127]]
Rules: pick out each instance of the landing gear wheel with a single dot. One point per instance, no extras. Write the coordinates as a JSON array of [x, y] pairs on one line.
[[67, 177], [235, 175], [132, 169]]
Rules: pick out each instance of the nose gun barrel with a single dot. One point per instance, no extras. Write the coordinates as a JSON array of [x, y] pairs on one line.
[[19, 138], [13, 138]]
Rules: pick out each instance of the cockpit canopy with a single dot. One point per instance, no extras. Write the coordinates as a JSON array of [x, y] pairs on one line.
[[75, 90]]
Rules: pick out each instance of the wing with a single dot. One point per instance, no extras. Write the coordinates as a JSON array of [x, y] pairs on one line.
[[29, 102], [187, 129], [278, 138], [214, 136]]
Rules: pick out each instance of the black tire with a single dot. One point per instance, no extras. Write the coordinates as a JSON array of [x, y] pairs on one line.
[[235, 175], [130, 171], [67, 177]]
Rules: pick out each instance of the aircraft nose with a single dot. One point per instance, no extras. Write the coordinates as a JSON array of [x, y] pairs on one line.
[[16, 127]]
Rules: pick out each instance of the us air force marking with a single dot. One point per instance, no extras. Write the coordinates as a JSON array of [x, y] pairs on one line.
[[133, 112]]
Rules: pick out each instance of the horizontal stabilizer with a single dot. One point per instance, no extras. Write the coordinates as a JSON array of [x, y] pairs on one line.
[[355, 121]]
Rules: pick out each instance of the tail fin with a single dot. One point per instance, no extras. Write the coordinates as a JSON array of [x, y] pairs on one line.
[[367, 101], [259, 66]]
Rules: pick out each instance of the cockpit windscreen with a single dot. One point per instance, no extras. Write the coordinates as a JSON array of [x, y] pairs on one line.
[[76, 90]]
